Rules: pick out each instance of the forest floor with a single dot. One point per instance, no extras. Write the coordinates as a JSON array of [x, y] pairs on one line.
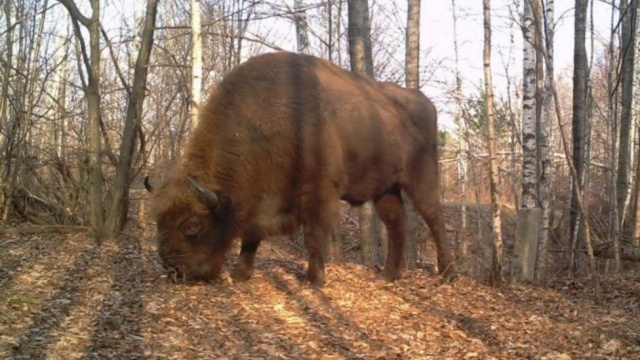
[[63, 297]]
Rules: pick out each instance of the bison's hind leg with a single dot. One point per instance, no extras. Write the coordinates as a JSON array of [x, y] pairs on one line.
[[392, 213], [244, 267], [320, 217], [425, 194]]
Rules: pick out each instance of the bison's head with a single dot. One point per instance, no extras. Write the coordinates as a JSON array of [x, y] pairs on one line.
[[194, 227]]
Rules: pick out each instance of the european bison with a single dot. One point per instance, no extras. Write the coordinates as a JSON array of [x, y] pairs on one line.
[[280, 141]]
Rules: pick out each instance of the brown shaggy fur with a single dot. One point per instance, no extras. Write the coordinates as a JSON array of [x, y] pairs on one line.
[[280, 140]]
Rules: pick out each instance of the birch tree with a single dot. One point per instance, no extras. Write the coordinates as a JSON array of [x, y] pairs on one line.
[[302, 28], [412, 80], [529, 134], [497, 262], [196, 62], [629, 20], [529, 214], [412, 49], [544, 140], [580, 7]]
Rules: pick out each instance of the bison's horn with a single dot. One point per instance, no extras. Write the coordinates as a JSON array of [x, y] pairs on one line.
[[147, 184], [209, 196]]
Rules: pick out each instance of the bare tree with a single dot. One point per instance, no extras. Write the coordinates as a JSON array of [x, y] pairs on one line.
[[578, 122], [118, 209], [529, 133], [412, 81], [91, 88], [196, 62], [497, 262], [544, 141], [22, 92], [529, 214], [412, 58], [575, 179], [463, 138], [361, 60], [628, 72], [360, 54], [302, 28], [629, 20], [6, 76], [612, 115]]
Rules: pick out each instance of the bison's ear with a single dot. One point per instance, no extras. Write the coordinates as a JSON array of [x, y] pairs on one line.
[[191, 226], [210, 197], [147, 184]]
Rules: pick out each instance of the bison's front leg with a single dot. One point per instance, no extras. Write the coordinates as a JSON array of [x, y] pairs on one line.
[[244, 267], [392, 213]]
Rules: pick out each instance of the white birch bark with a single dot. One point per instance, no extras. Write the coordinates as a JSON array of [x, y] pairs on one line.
[[196, 62], [529, 133], [544, 140], [302, 30], [412, 80]]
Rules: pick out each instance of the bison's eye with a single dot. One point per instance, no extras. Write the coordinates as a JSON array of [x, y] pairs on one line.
[[191, 226]]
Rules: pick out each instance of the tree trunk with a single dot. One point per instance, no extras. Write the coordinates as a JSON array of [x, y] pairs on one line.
[[370, 236], [544, 141], [463, 141], [120, 201], [196, 63], [361, 60], [95, 140], [302, 29], [575, 179], [92, 92], [612, 115], [578, 122], [529, 133], [412, 57], [335, 48], [628, 18], [494, 179], [412, 81], [6, 79], [360, 55], [6, 75], [528, 227], [628, 74]]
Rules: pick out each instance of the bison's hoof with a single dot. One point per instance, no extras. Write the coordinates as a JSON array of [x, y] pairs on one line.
[[241, 274], [390, 276]]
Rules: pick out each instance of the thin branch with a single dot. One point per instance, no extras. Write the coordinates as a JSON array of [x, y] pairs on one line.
[[115, 62]]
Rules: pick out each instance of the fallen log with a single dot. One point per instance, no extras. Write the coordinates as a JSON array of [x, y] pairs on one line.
[[628, 251], [39, 229]]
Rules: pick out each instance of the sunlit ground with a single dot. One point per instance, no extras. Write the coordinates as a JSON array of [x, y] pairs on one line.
[[62, 298]]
